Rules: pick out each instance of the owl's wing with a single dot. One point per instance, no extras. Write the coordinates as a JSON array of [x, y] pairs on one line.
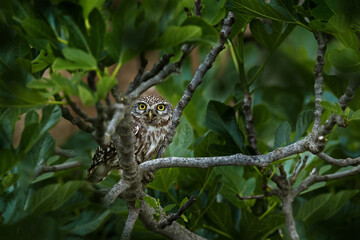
[[103, 162]]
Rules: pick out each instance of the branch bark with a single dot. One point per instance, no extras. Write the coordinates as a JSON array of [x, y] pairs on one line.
[[43, 168], [130, 221], [197, 80]]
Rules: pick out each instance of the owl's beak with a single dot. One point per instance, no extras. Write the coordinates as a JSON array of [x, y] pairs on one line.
[[150, 115]]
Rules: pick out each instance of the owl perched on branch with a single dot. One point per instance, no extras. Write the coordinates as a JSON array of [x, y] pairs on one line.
[[151, 122]]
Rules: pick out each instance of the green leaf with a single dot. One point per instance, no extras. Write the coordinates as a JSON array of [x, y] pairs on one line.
[[221, 118], [253, 228], [89, 221], [324, 206], [169, 207], [39, 29], [270, 36], [164, 179], [7, 182], [175, 35], [346, 60], [151, 201], [302, 124], [51, 197], [43, 60], [280, 10], [97, 33], [184, 218], [334, 108], [220, 216], [137, 203], [86, 95], [104, 85], [7, 161], [183, 139], [8, 118], [76, 59], [355, 115], [88, 6], [208, 33], [213, 11], [282, 135], [335, 84]]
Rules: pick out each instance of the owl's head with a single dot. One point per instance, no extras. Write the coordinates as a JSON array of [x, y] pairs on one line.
[[152, 110]]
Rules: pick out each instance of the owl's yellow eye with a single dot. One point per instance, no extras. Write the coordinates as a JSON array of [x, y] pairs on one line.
[[142, 106], [161, 107]]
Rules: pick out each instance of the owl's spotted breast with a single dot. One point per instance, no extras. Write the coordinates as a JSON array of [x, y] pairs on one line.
[[151, 122]]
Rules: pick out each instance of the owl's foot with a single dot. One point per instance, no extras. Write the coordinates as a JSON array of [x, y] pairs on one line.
[[148, 176]]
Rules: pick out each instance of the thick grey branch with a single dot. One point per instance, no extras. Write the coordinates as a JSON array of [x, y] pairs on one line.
[[232, 160], [197, 80], [130, 221], [289, 217]]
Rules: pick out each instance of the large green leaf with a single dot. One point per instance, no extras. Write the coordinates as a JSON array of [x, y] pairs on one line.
[[182, 141], [302, 124], [282, 135], [253, 228], [75, 59], [347, 60], [175, 35], [164, 179], [7, 161], [280, 10], [324, 206], [89, 221], [51, 197], [220, 216], [272, 36], [8, 118], [221, 118], [39, 29]]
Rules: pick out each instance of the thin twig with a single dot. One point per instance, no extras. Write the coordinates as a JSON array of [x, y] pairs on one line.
[[198, 7], [249, 126], [260, 196], [43, 168], [137, 79], [296, 171], [197, 80], [64, 152], [76, 121], [78, 111], [115, 191], [175, 216]]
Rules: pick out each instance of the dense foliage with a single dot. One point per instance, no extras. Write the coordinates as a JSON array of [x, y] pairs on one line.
[[275, 64]]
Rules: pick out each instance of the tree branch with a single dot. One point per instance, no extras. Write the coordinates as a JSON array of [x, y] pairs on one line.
[[175, 216], [314, 178], [115, 191], [130, 221], [64, 152], [320, 62], [42, 168], [249, 118], [339, 162], [113, 123], [78, 111], [231, 160], [260, 196], [197, 80]]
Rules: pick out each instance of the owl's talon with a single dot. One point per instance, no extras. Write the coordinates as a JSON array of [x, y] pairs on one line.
[[149, 176]]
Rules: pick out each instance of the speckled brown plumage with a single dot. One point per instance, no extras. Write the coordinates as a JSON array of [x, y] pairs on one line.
[[151, 122]]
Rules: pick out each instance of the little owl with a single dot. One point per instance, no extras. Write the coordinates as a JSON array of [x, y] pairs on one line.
[[151, 122]]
